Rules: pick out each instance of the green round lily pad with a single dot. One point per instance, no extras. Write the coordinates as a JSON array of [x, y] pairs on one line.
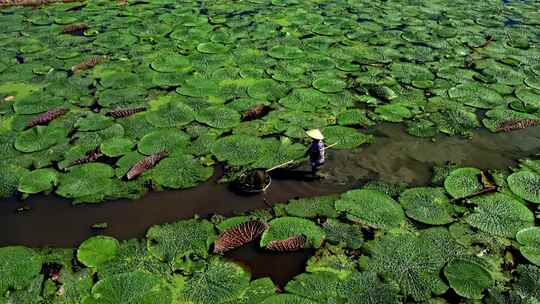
[[96, 250]]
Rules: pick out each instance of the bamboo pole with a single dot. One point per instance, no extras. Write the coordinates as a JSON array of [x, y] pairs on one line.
[[292, 160]]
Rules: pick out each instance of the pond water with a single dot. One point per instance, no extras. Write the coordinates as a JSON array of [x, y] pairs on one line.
[[394, 157]]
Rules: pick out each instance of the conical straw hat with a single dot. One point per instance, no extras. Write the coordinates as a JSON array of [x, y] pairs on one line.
[[315, 134]]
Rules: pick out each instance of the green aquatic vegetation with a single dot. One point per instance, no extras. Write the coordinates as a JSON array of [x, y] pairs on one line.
[[171, 243], [19, 267], [366, 288], [329, 85], [277, 153], [345, 137], [347, 235], [409, 261], [354, 117], [500, 215], [529, 239], [427, 205], [132, 255], [39, 138], [422, 128], [476, 95], [496, 118], [371, 208], [10, 176], [257, 291], [40, 180], [74, 288], [169, 62], [285, 52], [218, 117], [287, 299], [307, 100], [393, 112], [169, 140], [320, 287], [178, 172], [322, 206], [218, 282], [467, 278], [286, 227], [97, 250], [171, 115], [239, 150], [86, 182], [527, 287], [455, 122], [114, 147], [131, 287], [525, 185], [463, 182], [93, 122]]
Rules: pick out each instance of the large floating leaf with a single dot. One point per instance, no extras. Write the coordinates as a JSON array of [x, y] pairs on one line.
[[285, 52], [476, 95], [38, 181], [526, 185], [169, 140], [170, 62], [329, 85], [97, 250], [114, 147], [218, 117], [239, 150], [463, 182], [500, 214], [179, 172], [308, 100], [172, 242], [345, 137], [85, 180], [131, 287], [322, 206], [286, 227], [171, 115], [319, 287], [367, 288], [347, 235], [219, 282], [132, 256], [467, 278], [287, 299], [10, 176], [371, 208], [409, 261], [427, 205], [39, 138], [18, 268], [529, 239]]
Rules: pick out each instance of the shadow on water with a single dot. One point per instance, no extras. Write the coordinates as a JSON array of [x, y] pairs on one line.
[[281, 267], [394, 157]]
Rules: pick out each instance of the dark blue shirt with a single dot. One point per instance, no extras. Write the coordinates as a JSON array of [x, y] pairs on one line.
[[316, 152]]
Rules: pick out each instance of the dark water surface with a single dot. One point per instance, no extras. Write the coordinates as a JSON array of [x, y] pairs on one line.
[[394, 157]]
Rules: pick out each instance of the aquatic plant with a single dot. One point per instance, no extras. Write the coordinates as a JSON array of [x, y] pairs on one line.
[[239, 235], [145, 164], [218, 282], [295, 230], [529, 239], [88, 64], [46, 117], [427, 205], [468, 278], [346, 235], [96, 250], [371, 208], [172, 242], [512, 125], [125, 112], [322, 206], [292, 243], [19, 267], [131, 287], [525, 185]]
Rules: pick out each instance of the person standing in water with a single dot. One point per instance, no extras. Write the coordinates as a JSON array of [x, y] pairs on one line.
[[316, 150]]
